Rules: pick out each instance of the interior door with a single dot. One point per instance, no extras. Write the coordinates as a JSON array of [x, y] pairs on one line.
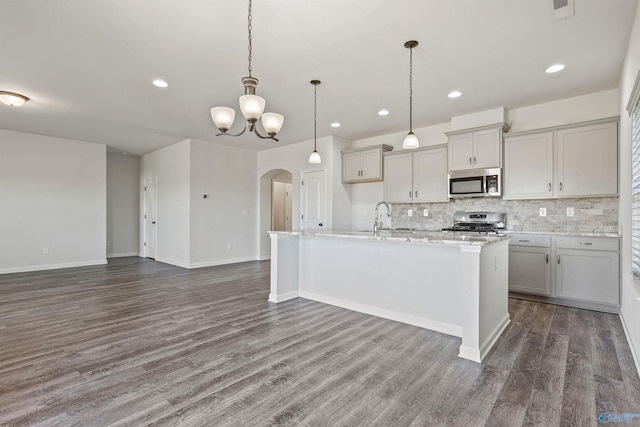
[[314, 200], [150, 218], [288, 207]]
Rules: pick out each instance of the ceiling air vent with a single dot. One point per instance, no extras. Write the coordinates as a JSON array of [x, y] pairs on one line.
[[561, 9]]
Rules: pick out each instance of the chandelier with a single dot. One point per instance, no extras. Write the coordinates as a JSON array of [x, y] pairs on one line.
[[251, 106]]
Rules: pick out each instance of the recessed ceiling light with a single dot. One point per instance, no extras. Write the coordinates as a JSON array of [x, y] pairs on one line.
[[160, 83], [555, 68], [335, 125], [454, 94], [383, 112]]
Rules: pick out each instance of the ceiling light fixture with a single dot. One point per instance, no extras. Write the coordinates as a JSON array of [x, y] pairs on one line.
[[335, 125], [315, 156], [554, 68], [12, 99], [454, 94], [251, 106], [383, 112], [160, 83], [410, 141]]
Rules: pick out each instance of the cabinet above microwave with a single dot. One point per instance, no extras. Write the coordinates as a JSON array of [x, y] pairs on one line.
[[477, 148]]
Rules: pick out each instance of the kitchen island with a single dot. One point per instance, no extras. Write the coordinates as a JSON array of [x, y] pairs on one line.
[[449, 283]]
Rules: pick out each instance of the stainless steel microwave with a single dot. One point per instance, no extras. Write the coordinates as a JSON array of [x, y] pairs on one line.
[[475, 183]]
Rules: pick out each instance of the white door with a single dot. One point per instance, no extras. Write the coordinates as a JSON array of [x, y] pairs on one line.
[[288, 207], [150, 218], [314, 200]]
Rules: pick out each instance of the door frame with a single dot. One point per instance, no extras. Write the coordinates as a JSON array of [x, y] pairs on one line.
[[147, 252]]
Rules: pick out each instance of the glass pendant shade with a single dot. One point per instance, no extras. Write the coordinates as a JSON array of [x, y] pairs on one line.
[[272, 122], [251, 106], [223, 117], [315, 157], [410, 141]]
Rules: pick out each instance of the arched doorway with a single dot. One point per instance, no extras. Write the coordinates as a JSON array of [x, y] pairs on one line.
[[276, 200]]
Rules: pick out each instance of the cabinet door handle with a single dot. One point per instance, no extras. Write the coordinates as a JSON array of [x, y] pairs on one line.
[[474, 160], [410, 192], [547, 258], [524, 241], [549, 186], [416, 194], [585, 243], [560, 186], [558, 258], [470, 161]]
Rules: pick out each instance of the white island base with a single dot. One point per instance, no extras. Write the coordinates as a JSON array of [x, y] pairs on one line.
[[451, 284]]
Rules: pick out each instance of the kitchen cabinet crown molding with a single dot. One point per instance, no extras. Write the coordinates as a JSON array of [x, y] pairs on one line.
[[562, 127], [414, 150], [502, 125], [383, 147]]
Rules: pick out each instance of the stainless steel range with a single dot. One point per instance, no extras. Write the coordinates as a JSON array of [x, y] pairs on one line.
[[478, 222]]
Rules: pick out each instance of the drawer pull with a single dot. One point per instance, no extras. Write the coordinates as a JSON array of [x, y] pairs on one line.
[[524, 241], [547, 258], [549, 186], [558, 258], [585, 243]]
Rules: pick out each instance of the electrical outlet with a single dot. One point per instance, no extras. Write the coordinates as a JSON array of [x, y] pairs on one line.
[[45, 251], [543, 211], [425, 212], [410, 212], [570, 211]]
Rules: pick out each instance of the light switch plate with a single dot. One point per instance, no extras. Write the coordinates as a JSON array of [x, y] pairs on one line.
[[410, 212], [426, 212], [543, 211]]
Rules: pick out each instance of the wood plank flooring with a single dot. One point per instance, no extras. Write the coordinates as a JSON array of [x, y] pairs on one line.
[[137, 343]]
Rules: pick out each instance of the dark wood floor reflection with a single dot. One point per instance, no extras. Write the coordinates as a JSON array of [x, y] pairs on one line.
[[138, 342]]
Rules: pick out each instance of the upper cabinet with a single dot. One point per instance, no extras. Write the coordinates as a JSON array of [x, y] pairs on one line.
[[478, 148], [562, 162], [363, 164], [416, 175]]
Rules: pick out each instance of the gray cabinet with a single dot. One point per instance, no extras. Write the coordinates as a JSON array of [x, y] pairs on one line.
[[588, 269], [478, 148], [571, 270], [363, 164], [416, 175], [571, 161], [529, 264]]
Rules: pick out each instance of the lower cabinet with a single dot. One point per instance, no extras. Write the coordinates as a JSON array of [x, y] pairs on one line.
[[571, 270], [530, 264]]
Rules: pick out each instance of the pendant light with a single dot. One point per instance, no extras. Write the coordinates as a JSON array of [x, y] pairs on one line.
[[251, 106], [315, 156], [411, 140]]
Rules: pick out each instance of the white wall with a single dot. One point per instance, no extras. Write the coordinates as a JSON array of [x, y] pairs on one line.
[[171, 166], [52, 195], [278, 205], [630, 311], [223, 224], [123, 213]]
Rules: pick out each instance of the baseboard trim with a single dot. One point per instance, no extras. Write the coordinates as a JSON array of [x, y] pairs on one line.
[[494, 335], [26, 269], [421, 322], [634, 352], [122, 254], [220, 262], [283, 297]]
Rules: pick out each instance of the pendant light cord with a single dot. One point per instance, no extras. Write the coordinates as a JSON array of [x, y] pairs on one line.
[[411, 89], [315, 108], [250, 28]]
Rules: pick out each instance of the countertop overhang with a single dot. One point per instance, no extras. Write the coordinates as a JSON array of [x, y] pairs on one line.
[[429, 237]]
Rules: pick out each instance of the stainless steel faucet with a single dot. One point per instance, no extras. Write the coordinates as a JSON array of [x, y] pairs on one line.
[[378, 224]]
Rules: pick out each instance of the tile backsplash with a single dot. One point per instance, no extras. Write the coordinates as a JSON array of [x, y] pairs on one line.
[[591, 215]]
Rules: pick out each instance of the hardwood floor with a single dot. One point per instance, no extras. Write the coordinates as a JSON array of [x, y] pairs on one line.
[[137, 343]]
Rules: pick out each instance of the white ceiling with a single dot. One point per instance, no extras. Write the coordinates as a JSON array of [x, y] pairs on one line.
[[87, 65]]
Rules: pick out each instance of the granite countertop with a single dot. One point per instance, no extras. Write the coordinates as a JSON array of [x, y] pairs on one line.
[[563, 233], [412, 236]]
